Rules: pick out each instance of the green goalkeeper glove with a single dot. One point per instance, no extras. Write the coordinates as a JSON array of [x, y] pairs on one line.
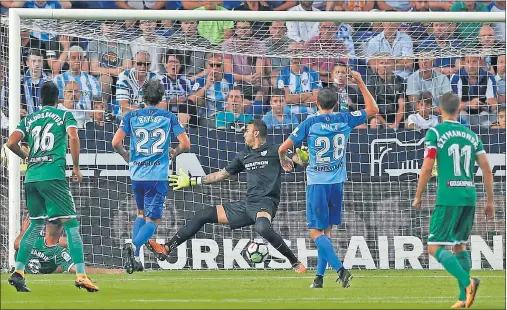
[[303, 154], [183, 180]]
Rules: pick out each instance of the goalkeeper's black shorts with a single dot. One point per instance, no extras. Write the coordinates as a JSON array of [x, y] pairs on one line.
[[244, 213]]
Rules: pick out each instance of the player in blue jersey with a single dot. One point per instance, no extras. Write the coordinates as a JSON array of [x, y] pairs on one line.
[[327, 135], [150, 129]]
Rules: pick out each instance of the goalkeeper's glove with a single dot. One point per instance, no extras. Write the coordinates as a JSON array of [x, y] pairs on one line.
[[303, 154], [183, 180]]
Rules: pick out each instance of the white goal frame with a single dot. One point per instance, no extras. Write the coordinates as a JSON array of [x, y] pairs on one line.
[[15, 16]]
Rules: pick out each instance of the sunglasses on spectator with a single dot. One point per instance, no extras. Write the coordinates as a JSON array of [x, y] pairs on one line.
[[142, 63], [216, 65]]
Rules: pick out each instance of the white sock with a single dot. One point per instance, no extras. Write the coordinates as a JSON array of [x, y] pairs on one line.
[[137, 258]]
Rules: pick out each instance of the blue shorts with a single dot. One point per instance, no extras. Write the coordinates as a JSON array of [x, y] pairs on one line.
[[324, 205], [150, 197]]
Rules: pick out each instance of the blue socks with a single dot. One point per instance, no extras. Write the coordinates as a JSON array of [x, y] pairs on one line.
[[326, 250], [144, 234], [140, 221], [321, 264]]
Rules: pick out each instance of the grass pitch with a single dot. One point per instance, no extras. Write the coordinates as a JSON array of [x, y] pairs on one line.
[[404, 289]]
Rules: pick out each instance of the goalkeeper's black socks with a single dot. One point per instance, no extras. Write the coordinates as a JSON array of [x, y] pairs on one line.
[[263, 228], [207, 215]]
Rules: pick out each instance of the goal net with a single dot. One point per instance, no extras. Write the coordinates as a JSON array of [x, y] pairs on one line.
[[220, 71]]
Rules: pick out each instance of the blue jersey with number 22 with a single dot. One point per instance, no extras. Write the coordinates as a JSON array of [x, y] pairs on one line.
[[150, 132], [327, 135]]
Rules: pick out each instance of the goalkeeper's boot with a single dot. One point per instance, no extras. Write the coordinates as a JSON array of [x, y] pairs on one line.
[[86, 283], [299, 268], [472, 291], [128, 258], [344, 277], [318, 282], [18, 281], [158, 249], [138, 266], [459, 304]]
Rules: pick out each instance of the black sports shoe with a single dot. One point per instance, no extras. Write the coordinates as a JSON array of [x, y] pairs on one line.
[[18, 282], [128, 258], [344, 277], [138, 266], [318, 282]]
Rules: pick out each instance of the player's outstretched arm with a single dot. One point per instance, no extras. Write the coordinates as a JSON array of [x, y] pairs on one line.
[[117, 144], [371, 106], [183, 180], [424, 177], [74, 152], [13, 144], [487, 177], [183, 146], [285, 161]]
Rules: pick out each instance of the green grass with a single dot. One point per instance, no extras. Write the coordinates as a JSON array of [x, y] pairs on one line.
[[254, 289]]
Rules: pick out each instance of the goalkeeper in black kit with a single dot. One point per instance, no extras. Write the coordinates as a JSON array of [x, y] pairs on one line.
[[262, 165]]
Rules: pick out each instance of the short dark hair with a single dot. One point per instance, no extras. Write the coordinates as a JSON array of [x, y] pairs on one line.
[[34, 52], [500, 109], [278, 92], [153, 91], [49, 93], [426, 97], [261, 127], [327, 98], [340, 63], [449, 103]]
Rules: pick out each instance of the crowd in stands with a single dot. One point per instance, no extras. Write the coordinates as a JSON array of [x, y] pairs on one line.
[[259, 72]]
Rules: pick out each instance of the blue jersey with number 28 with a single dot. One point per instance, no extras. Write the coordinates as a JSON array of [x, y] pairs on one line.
[[150, 132], [327, 136]]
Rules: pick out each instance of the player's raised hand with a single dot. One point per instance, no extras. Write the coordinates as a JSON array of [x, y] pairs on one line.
[[356, 77], [489, 210], [303, 154], [179, 181], [417, 203], [286, 164], [77, 176]]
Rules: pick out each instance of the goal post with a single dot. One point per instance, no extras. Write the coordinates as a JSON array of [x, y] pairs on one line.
[[16, 16]]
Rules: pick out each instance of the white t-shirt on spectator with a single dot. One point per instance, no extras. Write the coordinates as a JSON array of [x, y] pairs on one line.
[[4, 121], [302, 31], [139, 5], [498, 27], [422, 123]]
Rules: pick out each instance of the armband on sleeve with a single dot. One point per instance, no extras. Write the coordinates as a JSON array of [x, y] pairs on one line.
[[430, 152]]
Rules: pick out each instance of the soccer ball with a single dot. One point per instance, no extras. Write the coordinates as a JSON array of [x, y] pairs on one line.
[[257, 252]]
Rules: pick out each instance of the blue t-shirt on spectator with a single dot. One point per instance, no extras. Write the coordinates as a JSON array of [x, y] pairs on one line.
[[46, 24], [289, 121], [216, 95]]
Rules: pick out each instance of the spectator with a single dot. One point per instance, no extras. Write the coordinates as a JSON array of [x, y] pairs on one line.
[[150, 42], [324, 43], [424, 118], [500, 79], [259, 28], [344, 34], [177, 87], [279, 117], [247, 70], [477, 89], [468, 32], [234, 116], [303, 31], [438, 6], [89, 86], [427, 79], [31, 83], [388, 90], [138, 5], [108, 58], [498, 6], [277, 5], [348, 97], [211, 90], [403, 6], [397, 44], [129, 92], [277, 43], [351, 5], [71, 101], [301, 85], [214, 31], [442, 41], [489, 47], [500, 119], [193, 62]]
